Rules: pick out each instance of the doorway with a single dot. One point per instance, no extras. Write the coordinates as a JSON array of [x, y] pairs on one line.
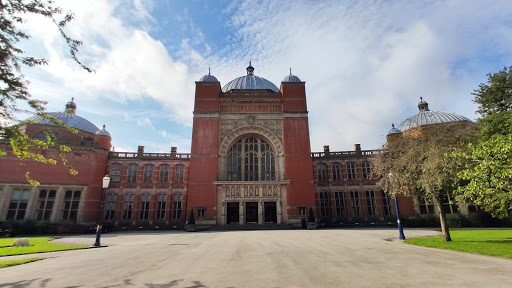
[[270, 212], [251, 212], [233, 212]]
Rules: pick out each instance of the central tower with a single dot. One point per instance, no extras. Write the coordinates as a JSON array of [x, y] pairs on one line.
[[251, 157]]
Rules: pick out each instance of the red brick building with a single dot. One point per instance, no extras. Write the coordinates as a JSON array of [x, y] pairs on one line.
[[250, 163]]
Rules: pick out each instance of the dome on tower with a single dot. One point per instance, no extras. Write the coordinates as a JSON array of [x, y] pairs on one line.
[[103, 132], [69, 118], [250, 82], [291, 78], [427, 117], [394, 130], [208, 78]]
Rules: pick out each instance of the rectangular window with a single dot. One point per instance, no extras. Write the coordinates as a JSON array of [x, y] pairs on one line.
[[178, 175], [370, 203], [164, 173], [148, 173], [426, 206], [367, 170], [336, 171], [71, 203], [386, 204], [145, 200], [351, 171], [45, 204], [128, 206], [176, 207], [160, 206], [321, 171], [354, 203], [18, 204], [449, 204], [302, 211], [201, 212], [132, 173], [115, 173], [340, 204], [325, 209], [110, 207]]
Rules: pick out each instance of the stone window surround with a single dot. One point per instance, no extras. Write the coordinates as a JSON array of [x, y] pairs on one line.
[[58, 206]]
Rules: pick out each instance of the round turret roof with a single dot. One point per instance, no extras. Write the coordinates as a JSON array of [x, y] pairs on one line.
[[250, 82], [427, 117], [393, 130], [103, 132], [291, 78], [208, 78], [69, 118]]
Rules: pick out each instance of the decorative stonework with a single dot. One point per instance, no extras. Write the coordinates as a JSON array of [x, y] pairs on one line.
[[230, 130], [248, 108], [252, 191], [226, 125]]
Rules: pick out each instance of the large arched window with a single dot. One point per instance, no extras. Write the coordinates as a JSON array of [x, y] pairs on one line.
[[251, 159]]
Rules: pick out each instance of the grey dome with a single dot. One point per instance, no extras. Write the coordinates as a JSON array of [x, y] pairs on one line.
[[250, 82], [208, 78], [71, 120], [427, 117], [291, 78], [103, 132], [394, 130]]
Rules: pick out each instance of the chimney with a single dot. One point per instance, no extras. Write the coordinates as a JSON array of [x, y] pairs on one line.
[[358, 149], [140, 151], [326, 150]]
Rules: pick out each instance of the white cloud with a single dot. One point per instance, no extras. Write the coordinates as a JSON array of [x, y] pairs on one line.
[[144, 122], [365, 63]]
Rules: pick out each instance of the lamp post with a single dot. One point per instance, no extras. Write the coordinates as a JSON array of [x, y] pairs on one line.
[[400, 230], [106, 181]]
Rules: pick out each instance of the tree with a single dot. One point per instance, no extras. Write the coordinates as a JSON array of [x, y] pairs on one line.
[[495, 104], [488, 164], [489, 173], [13, 85], [416, 163]]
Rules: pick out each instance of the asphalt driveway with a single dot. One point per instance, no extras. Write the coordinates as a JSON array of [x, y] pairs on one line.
[[287, 258]]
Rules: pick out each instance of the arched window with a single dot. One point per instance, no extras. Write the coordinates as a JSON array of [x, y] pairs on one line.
[[251, 159]]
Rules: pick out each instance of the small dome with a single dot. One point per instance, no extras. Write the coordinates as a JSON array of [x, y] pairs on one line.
[[103, 132], [394, 130], [291, 78], [208, 78], [427, 117], [71, 106], [250, 82]]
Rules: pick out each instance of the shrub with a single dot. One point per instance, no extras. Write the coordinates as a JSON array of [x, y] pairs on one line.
[[311, 216]]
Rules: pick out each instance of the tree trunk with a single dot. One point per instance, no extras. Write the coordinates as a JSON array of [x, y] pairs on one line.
[[442, 219]]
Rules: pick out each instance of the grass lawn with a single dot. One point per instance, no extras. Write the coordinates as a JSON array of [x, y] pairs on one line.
[[486, 242], [8, 263], [37, 245]]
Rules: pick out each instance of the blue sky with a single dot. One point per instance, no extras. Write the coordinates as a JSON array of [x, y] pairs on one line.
[[365, 63]]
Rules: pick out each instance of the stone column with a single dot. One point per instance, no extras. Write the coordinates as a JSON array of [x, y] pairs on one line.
[[261, 220], [58, 205], [279, 214], [241, 213]]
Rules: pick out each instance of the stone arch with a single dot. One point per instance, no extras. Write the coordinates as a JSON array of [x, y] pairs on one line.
[[272, 138]]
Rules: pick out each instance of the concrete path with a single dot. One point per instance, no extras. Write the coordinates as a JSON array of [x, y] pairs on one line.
[[292, 258]]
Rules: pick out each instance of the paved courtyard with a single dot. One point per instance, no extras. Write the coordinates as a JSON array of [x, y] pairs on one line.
[[292, 258]]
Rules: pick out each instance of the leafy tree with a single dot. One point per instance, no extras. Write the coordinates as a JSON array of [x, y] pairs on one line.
[[495, 104], [488, 164], [489, 172], [13, 85], [415, 163]]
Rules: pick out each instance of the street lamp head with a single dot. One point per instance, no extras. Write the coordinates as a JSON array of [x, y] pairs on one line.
[[106, 181]]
